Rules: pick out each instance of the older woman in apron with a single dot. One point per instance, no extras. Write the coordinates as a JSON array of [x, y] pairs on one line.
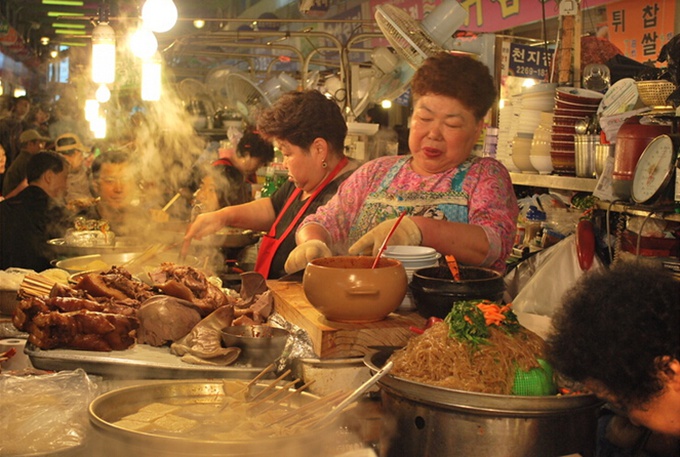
[[454, 202], [310, 131]]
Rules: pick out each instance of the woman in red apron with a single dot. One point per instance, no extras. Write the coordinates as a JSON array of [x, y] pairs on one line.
[[309, 131]]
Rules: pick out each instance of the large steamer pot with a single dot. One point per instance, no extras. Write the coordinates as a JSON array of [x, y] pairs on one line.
[[115, 441], [423, 420]]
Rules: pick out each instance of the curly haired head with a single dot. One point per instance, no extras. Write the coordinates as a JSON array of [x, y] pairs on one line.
[[457, 76], [619, 327], [302, 117], [253, 145]]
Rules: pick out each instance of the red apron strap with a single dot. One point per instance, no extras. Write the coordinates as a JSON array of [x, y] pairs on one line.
[[269, 243]]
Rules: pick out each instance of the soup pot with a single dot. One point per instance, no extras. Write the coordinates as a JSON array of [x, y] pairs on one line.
[[347, 289], [424, 420], [120, 440]]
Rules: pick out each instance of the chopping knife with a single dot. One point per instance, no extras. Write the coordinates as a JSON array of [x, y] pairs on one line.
[[295, 276]]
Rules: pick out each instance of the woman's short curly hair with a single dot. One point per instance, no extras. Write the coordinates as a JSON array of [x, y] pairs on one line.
[[616, 326], [301, 117], [457, 76]]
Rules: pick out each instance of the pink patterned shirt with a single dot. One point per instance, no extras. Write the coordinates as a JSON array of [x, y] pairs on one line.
[[491, 201]]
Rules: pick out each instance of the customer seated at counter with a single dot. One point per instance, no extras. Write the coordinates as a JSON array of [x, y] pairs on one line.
[[35, 215], [618, 333], [454, 202], [310, 131], [113, 183]]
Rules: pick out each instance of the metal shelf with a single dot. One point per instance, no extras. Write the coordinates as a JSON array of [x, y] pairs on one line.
[[667, 212], [554, 182]]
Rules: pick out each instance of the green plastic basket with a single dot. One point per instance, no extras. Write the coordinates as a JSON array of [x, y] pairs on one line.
[[535, 382]]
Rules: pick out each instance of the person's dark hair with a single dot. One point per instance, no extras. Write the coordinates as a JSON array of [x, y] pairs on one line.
[[457, 76], [14, 101], [42, 162], [112, 156], [301, 117], [615, 327], [253, 145]]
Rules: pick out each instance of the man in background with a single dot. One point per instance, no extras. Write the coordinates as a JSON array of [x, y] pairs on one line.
[[34, 216], [15, 178]]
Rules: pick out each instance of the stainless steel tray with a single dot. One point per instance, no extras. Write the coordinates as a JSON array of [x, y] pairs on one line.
[[122, 244], [139, 362]]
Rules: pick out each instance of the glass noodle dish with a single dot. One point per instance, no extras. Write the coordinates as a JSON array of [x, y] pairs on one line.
[[479, 347]]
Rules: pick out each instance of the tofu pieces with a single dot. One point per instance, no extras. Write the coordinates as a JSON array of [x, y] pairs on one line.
[[157, 416]]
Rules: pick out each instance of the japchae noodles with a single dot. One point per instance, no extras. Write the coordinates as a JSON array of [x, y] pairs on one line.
[[438, 358]]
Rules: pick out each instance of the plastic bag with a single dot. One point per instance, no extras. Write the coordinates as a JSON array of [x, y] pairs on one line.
[[539, 286], [46, 413]]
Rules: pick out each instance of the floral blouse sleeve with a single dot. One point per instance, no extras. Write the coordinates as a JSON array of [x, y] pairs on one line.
[[493, 206], [339, 213]]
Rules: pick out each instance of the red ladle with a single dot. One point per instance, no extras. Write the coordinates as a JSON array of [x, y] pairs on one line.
[[387, 238]]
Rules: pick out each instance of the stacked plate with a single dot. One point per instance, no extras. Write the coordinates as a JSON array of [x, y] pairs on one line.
[[413, 258], [571, 106]]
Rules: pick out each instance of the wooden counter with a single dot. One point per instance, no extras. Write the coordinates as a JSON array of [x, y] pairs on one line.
[[335, 339]]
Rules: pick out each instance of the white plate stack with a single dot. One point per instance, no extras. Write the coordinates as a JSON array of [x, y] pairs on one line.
[[413, 258]]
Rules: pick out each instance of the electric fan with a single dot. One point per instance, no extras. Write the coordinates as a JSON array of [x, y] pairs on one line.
[[215, 84], [245, 96], [416, 41]]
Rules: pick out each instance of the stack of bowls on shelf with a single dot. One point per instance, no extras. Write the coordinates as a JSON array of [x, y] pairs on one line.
[[539, 156], [530, 106], [521, 148], [506, 133], [571, 106], [412, 258]]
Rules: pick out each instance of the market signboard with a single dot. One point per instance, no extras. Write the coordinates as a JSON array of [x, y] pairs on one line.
[[640, 28], [529, 61]]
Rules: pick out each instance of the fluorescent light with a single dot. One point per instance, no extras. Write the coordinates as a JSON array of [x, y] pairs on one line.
[[63, 2], [73, 43], [103, 54], [63, 25], [70, 32], [63, 13]]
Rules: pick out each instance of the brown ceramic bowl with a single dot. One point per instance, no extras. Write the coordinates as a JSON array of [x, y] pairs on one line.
[[347, 289]]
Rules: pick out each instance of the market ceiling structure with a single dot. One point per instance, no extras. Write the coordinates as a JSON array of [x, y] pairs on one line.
[[42, 24]]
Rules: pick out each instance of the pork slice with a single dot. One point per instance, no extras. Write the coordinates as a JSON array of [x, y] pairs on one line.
[[252, 284], [176, 289], [263, 306], [164, 319], [205, 338]]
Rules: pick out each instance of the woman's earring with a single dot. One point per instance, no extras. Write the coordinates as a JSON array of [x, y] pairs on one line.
[[324, 164]]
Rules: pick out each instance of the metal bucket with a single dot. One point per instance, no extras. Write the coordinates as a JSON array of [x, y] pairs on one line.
[[423, 420]]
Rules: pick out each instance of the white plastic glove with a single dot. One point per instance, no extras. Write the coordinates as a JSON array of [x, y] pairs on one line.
[[406, 234], [304, 253]]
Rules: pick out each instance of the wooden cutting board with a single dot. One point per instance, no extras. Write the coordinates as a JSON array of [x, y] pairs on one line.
[[335, 339]]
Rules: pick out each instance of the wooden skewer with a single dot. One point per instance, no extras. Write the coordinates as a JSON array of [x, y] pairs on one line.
[[270, 386], [311, 408], [277, 393], [289, 394], [171, 202], [36, 285]]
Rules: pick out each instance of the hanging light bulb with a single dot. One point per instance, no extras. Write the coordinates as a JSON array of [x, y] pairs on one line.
[[159, 15], [103, 94], [91, 109], [151, 79], [103, 54], [143, 42], [98, 127]]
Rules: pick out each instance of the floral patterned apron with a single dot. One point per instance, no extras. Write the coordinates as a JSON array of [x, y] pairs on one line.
[[384, 203]]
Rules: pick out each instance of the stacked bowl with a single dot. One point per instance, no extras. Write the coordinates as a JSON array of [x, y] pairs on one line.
[[412, 258], [539, 155], [571, 106]]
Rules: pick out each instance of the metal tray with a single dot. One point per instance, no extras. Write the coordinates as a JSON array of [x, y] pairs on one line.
[[122, 244], [139, 362]]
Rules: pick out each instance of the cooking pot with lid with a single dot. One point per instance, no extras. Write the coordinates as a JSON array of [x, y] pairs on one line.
[[424, 420]]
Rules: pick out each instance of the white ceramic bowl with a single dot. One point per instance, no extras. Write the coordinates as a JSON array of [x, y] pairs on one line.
[[542, 163]]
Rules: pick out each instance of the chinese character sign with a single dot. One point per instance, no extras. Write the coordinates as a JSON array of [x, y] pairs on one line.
[[529, 61], [640, 28]]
